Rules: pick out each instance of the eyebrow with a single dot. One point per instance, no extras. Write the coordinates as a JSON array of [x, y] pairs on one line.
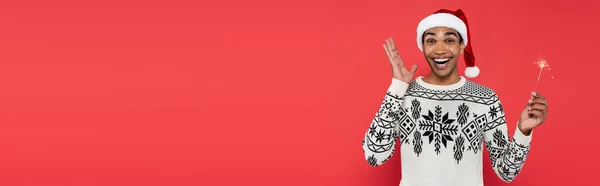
[[445, 34]]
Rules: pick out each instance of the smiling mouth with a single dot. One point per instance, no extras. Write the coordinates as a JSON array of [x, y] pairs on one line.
[[441, 61]]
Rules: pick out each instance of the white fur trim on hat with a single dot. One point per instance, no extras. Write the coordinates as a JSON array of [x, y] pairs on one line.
[[441, 20]]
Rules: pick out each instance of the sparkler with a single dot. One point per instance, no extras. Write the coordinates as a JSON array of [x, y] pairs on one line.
[[543, 64]]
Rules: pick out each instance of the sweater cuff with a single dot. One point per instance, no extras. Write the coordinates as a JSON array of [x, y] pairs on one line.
[[398, 88], [520, 138]]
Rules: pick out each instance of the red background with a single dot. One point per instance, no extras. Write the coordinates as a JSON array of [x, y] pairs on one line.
[[265, 92]]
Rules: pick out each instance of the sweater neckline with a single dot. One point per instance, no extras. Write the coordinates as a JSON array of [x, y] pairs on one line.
[[454, 86]]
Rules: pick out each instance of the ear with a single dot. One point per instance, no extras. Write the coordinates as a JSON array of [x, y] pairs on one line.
[[462, 48]]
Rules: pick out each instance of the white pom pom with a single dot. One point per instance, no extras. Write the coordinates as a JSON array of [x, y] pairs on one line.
[[472, 72]]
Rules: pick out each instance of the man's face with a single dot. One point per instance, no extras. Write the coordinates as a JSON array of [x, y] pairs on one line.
[[442, 47]]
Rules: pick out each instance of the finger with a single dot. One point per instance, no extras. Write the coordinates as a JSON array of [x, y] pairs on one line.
[[539, 101], [393, 47], [393, 43], [395, 53], [536, 95], [414, 68], [536, 114], [388, 41], [538, 107], [387, 52], [390, 48]]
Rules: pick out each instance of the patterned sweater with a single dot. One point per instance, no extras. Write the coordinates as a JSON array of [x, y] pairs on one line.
[[441, 131]]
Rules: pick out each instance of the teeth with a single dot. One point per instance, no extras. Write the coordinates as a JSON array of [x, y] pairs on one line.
[[441, 60]]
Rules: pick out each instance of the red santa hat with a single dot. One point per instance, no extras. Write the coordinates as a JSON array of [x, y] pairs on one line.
[[457, 21]]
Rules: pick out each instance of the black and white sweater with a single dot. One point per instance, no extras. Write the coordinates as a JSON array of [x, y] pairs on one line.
[[441, 130]]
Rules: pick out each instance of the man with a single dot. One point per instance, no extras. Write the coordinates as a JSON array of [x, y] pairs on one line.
[[442, 120]]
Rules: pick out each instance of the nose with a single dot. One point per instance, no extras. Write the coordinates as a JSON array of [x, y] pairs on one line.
[[440, 49]]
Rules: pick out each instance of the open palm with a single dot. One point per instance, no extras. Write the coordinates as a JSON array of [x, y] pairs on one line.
[[398, 70]]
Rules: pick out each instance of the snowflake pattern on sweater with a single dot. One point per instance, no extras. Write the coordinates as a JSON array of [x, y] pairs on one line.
[[441, 131]]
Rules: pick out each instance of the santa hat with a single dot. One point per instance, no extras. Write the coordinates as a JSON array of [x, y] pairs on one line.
[[457, 21]]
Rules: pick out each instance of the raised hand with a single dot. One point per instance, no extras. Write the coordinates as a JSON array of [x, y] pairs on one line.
[[398, 70], [534, 114]]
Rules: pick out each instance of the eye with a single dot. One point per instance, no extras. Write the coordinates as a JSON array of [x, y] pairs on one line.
[[450, 41], [430, 41]]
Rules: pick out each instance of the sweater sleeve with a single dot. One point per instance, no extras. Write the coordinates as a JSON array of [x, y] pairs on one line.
[[380, 138], [507, 156]]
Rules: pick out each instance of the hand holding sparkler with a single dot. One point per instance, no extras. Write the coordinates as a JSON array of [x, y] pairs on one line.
[[536, 111]]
